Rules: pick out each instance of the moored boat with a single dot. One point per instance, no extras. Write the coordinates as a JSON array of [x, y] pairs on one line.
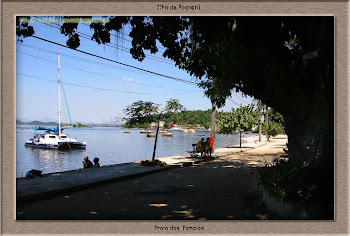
[[50, 139], [53, 138]]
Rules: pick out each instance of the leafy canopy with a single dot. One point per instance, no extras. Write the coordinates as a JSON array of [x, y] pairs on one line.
[[173, 105], [140, 112], [242, 118]]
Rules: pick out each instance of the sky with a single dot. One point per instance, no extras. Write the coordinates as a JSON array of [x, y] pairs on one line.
[[96, 90]]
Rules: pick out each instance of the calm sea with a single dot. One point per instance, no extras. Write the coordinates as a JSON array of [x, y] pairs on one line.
[[111, 145]]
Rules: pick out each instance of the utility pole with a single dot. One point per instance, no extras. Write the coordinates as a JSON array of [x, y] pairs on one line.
[[155, 142], [267, 120], [260, 124], [213, 122]]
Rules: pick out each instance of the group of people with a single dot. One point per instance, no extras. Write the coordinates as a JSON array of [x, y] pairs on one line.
[[205, 146], [88, 164]]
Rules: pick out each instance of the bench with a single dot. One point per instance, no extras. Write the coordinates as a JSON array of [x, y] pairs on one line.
[[194, 152]]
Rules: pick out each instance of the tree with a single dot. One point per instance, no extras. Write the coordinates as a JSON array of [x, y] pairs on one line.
[[273, 128], [140, 113], [242, 119], [275, 123], [173, 105]]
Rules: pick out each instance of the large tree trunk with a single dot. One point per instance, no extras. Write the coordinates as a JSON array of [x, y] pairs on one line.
[[312, 135], [311, 145], [240, 139]]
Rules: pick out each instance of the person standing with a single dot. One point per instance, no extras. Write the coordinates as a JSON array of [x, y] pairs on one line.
[[211, 144]]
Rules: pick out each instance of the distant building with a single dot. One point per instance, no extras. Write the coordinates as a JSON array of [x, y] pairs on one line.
[[161, 124], [199, 127]]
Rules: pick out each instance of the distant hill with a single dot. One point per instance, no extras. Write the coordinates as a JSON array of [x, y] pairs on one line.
[[36, 122], [41, 123]]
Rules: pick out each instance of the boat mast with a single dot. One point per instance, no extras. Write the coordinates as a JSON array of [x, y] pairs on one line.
[[58, 92]]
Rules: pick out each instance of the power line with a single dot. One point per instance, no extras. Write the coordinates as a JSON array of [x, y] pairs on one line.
[[240, 98], [107, 59], [100, 74], [83, 59], [230, 99], [113, 45], [86, 60], [104, 89]]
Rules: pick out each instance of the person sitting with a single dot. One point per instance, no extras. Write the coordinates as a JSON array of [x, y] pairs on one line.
[[199, 146], [96, 160], [205, 147], [87, 163]]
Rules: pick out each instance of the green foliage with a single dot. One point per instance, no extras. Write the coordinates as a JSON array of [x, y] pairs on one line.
[[153, 163], [140, 114], [23, 29], [79, 125], [275, 124], [189, 118], [275, 116], [273, 128], [173, 105], [243, 118]]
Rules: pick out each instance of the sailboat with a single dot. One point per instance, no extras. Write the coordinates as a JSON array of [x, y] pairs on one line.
[[53, 138]]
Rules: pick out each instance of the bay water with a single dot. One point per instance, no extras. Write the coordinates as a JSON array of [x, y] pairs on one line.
[[110, 145]]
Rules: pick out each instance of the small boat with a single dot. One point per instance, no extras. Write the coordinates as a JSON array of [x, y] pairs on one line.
[[53, 138], [167, 135]]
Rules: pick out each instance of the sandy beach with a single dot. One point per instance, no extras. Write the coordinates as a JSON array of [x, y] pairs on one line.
[[220, 189]]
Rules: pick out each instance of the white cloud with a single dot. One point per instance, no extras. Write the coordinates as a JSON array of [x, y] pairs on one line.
[[129, 79]]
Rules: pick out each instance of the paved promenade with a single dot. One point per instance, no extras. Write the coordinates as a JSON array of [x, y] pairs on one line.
[[215, 189]]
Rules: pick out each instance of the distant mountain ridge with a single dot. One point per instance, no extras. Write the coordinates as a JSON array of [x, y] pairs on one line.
[[36, 122], [41, 123]]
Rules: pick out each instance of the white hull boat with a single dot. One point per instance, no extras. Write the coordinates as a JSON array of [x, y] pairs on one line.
[[53, 138], [49, 139]]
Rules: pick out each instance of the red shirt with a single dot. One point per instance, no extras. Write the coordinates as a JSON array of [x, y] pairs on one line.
[[211, 142]]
